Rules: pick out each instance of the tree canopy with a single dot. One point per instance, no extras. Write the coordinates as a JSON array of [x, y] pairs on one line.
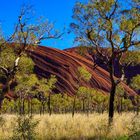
[[112, 28]]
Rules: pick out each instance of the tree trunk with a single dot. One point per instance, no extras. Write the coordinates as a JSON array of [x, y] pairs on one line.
[[121, 107], [40, 109], [15, 107], [5, 90], [88, 104], [112, 90], [1, 100], [111, 102], [31, 108], [74, 103], [83, 105], [23, 106], [20, 110], [43, 107], [137, 109], [49, 104], [103, 107], [28, 107], [137, 106]]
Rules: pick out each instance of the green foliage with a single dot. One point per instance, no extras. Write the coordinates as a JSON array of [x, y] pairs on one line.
[[46, 85], [7, 61], [82, 92], [99, 97], [120, 90], [85, 93], [84, 73], [36, 104], [109, 24], [7, 57], [15, 64], [122, 138], [51, 82], [135, 136], [5, 105], [25, 128], [82, 50], [26, 65], [135, 82], [25, 86], [26, 81], [8, 106], [60, 102], [131, 57], [98, 23]]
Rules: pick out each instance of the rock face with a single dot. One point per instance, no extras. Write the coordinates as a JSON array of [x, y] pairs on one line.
[[130, 71], [64, 65]]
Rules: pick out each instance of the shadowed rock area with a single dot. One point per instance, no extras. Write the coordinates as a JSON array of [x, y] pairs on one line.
[[130, 71]]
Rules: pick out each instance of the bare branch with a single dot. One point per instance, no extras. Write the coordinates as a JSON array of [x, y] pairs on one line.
[[135, 43], [4, 69], [114, 10]]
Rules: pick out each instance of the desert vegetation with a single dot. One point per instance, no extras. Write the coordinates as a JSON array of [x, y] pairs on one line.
[[23, 119], [31, 106], [63, 126]]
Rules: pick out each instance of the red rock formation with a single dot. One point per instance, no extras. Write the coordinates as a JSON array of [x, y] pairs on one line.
[[64, 65], [130, 71]]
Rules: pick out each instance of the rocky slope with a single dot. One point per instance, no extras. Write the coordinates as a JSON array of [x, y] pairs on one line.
[[130, 71], [64, 65]]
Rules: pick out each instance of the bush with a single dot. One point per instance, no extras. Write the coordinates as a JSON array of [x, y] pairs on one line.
[[24, 128]]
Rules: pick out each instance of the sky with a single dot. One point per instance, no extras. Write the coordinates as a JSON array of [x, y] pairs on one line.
[[58, 11]]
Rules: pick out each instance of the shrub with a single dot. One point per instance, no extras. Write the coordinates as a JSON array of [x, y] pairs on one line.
[[24, 128]]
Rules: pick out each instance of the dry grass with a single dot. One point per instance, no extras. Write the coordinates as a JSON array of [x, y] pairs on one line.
[[63, 126]]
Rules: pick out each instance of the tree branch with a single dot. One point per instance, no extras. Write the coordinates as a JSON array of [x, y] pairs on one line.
[[4, 69]]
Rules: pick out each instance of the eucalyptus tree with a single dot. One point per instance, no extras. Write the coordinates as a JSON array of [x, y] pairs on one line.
[[112, 28], [66, 103], [85, 75], [25, 91], [30, 86], [25, 38], [47, 87], [61, 103], [56, 103], [82, 92], [51, 85], [127, 104], [100, 99], [83, 96]]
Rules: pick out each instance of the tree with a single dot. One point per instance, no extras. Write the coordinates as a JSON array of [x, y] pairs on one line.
[[112, 29], [119, 96], [100, 99], [61, 103], [25, 91], [42, 90], [24, 38], [46, 87], [82, 74], [56, 103], [135, 83], [83, 95]]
